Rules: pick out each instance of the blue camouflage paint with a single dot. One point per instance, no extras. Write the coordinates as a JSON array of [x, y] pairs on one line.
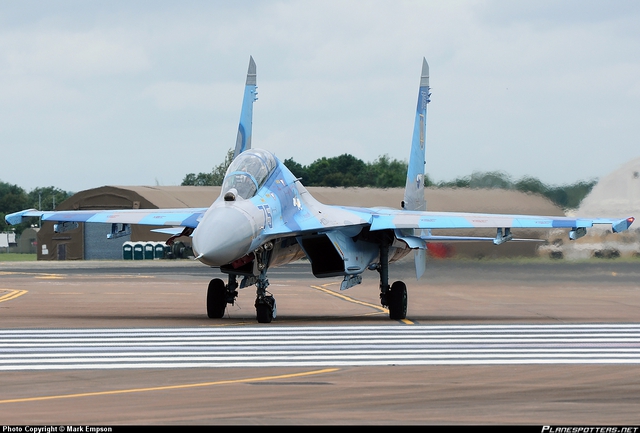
[[243, 140], [278, 184]]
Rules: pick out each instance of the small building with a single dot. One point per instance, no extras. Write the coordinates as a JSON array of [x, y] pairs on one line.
[[28, 241], [7, 240]]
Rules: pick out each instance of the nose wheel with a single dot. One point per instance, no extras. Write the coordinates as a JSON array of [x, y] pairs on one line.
[[219, 295], [265, 308]]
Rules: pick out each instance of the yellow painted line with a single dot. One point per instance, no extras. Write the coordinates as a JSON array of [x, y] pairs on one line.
[[348, 298], [42, 276], [35, 274], [50, 277], [13, 294], [171, 387], [355, 301]]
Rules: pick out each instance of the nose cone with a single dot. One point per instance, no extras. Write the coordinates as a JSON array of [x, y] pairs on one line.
[[224, 235]]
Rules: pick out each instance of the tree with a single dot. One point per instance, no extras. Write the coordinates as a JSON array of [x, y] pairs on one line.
[[12, 199], [347, 170], [459, 182], [47, 198], [491, 179], [570, 196], [385, 172], [298, 170], [216, 177], [531, 185]]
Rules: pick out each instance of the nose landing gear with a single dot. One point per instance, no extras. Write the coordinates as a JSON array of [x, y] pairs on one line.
[[265, 302], [219, 295]]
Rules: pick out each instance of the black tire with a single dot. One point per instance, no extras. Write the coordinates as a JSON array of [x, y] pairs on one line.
[[216, 299], [264, 313], [265, 309], [397, 301]]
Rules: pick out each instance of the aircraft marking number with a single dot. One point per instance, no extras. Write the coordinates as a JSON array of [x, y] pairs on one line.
[[266, 210]]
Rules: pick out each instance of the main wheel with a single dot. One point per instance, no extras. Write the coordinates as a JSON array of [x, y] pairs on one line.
[[265, 309], [263, 313], [216, 299], [397, 299]]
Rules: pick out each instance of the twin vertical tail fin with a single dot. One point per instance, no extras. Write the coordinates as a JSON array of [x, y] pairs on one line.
[[243, 142], [414, 188]]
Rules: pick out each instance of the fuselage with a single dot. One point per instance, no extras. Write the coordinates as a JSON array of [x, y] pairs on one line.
[[262, 203]]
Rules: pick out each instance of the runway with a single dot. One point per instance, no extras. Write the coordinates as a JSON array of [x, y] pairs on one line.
[[318, 346], [484, 342]]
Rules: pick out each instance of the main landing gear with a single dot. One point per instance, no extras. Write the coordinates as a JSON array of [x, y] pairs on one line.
[[393, 297]]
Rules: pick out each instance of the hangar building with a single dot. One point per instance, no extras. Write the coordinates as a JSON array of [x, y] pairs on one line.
[[89, 241], [616, 195]]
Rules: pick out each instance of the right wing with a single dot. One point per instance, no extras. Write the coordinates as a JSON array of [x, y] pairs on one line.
[[186, 217]]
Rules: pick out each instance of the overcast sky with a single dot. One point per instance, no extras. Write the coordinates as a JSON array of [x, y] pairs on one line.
[[144, 92]]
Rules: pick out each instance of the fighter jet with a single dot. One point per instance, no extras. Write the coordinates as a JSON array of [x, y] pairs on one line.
[[264, 217]]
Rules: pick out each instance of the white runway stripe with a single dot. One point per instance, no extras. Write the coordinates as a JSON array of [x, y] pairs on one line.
[[270, 346]]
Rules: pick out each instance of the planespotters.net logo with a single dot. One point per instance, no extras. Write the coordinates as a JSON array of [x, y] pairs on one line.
[[584, 429]]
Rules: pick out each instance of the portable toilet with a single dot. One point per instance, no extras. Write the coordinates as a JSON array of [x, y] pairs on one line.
[[138, 251], [158, 250], [149, 250], [127, 250]]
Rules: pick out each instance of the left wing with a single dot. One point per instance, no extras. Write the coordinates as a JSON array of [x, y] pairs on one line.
[[343, 217], [187, 217], [391, 219]]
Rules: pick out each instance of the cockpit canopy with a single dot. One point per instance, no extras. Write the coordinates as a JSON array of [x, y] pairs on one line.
[[248, 172]]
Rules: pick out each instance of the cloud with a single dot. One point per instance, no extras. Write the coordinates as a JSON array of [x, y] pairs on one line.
[[521, 87]]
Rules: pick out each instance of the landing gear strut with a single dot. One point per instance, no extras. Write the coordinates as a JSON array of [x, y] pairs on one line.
[[219, 295], [393, 297], [265, 302]]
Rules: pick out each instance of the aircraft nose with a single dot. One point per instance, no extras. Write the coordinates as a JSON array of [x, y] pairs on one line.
[[223, 235]]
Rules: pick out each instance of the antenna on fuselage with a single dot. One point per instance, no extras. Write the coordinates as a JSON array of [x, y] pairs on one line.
[[243, 142]]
